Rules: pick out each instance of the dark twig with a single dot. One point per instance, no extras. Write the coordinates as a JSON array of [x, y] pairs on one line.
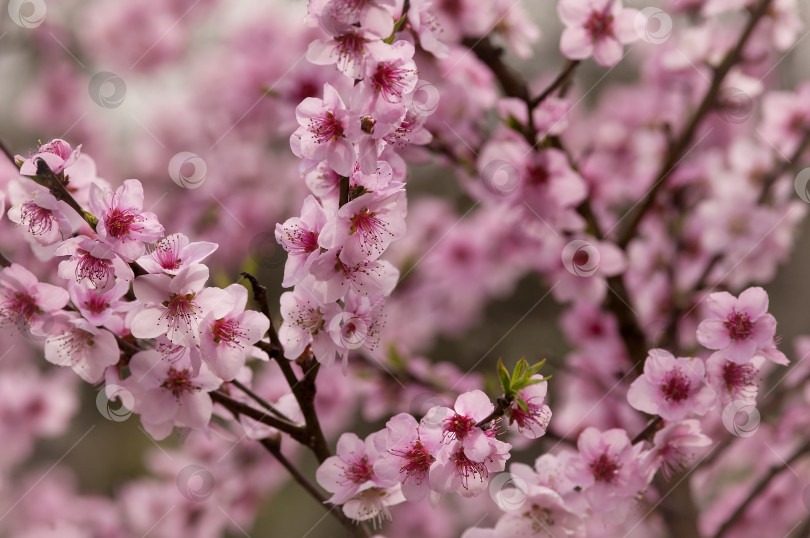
[[558, 82], [238, 408], [259, 400]]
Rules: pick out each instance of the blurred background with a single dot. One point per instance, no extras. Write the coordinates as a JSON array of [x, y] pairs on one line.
[[137, 83]]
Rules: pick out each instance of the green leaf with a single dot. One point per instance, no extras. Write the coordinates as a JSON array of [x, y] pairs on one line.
[[522, 405], [519, 370], [503, 375]]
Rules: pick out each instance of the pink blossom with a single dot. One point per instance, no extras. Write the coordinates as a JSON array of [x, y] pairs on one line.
[[671, 387], [299, 237], [373, 15], [544, 511], [596, 28], [739, 327], [57, 154], [365, 226], [77, 343], [100, 308], [225, 342], [351, 470], [454, 471], [33, 206], [390, 74], [334, 278], [122, 223], [93, 263], [174, 252], [733, 381], [175, 306], [675, 445], [529, 412], [321, 135], [26, 303], [372, 504], [461, 424], [358, 326], [411, 450], [422, 19], [347, 51], [167, 392], [305, 323], [606, 467]]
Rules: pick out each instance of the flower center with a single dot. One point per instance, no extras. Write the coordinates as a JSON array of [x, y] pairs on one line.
[[458, 426], [417, 461], [605, 469], [39, 220], [96, 270], [675, 386], [167, 252], [359, 472], [388, 80], [178, 382], [96, 303], [19, 309], [738, 376], [600, 25], [739, 326], [228, 331], [468, 468], [326, 128], [119, 223], [538, 175]]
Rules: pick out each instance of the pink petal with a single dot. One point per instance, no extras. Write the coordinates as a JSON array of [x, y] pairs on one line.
[[712, 334], [475, 404], [753, 301]]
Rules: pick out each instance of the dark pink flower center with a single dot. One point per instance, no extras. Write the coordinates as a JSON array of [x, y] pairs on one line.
[[300, 240], [739, 326], [167, 252], [458, 426], [96, 303], [359, 472], [228, 331], [417, 461], [538, 175], [534, 415], [179, 382], [675, 386], [389, 81], [738, 376], [326, 128], [599, 25], [468, 468], [605, 469], [97, 270], [39, 220], [119, 223], [19, 309], [181, 307]]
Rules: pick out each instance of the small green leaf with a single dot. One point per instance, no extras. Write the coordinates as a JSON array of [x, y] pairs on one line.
[[522, 405], [520, 369], [503, 375]]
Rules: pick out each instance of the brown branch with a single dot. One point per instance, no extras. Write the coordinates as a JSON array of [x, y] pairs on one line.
[[238, 408], [760, 487], [259, 400], [563, 77], [681, 145], [503, 404]]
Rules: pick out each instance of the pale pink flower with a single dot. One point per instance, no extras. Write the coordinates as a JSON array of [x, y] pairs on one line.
[[544, 512], [122, 223], [93, 263], [299, 237], [390, 74], [423, 20], [733, 381], [358, 326], [375, 16], [411, 450], [322, 133], [225, 342], [597, 28], [366, 226], [57, 154], [454, 471], [305, 323], [461, 424], [174, 252], [675, 445], [739, 327], [334, 278], [606, 468], [175, 306], [351, 470], [372, 504], [671, 387], [166, 392], [78, 344], [26, 303], [34, 207], [99, 308], [532, 420]]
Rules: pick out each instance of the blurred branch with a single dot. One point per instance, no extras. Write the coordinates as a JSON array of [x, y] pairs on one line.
[[679, 148], [760, 487], [259, 400]]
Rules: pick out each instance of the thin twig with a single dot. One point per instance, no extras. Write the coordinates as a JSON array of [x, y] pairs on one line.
[[259, 400]]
